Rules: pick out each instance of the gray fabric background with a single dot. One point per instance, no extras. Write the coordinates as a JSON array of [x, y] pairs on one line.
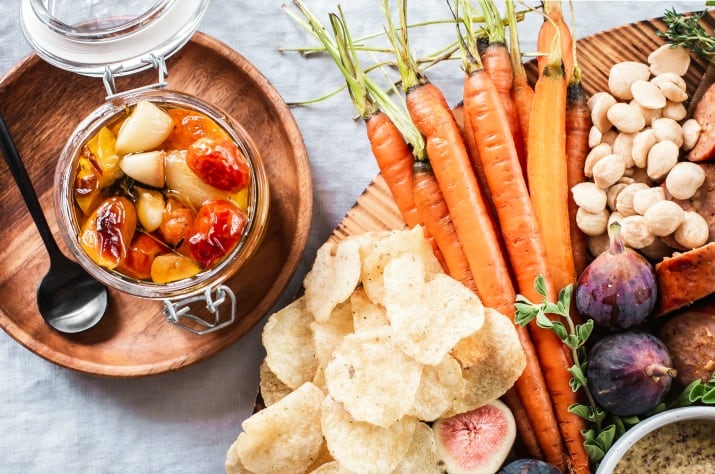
[[54, 420]]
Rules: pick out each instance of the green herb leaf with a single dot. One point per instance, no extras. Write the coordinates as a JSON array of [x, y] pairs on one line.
[[606, 436], [579, 378], [584, 330], [540, 285], [709, 397], [560, 330], [542, 320], [594, 451], [582, 411]]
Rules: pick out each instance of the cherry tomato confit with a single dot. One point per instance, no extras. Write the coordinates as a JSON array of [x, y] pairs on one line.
[[161, 194]]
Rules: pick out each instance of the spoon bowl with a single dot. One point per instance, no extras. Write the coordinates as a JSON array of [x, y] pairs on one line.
[[68, 298]]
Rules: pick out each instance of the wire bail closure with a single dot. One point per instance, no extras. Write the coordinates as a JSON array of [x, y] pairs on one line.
[[157, 62], [176, 313]]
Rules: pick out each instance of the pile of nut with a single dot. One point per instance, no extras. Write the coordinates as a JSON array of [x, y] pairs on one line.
[[639, 130]]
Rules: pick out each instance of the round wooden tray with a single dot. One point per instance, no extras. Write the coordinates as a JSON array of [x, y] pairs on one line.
[[42, 105]]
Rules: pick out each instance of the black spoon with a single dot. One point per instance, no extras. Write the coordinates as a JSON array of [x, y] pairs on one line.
[[68, 298]]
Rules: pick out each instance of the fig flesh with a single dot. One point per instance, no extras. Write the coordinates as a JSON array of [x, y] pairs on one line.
[[618, 289], [629, 373], [529, 466], [477, 441]]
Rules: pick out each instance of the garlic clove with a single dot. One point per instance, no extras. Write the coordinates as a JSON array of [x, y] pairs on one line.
[[147, 167]]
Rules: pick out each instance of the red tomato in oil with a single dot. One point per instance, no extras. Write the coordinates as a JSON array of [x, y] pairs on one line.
[[140, 255], [217, 228], [219, 163]]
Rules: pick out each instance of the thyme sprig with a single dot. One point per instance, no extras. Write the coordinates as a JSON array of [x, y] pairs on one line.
[[687, 31]]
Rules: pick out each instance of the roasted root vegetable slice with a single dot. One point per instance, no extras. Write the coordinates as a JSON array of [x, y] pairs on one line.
[[145, 129], [172, 267], [108, 231], [102, 153]]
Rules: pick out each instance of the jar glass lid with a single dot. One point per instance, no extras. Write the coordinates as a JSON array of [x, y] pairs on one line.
[[91, 37]]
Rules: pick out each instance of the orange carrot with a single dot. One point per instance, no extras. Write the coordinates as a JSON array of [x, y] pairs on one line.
[[521, 91], [450, 162], [548, 33], [497, 63], [394, 159], [523, 424], [548, 186], [436, 219], [578, 126]]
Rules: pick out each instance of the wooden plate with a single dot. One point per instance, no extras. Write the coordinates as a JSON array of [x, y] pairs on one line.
[[42, 105], [376, 210]]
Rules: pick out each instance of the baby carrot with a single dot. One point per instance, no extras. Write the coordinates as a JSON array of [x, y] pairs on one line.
[[435, 216], [553, 28], [578, 126], [548, 186]]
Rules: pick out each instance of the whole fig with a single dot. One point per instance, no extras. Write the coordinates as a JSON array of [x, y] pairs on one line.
[[528, 466], [629, 373], [618, 289]]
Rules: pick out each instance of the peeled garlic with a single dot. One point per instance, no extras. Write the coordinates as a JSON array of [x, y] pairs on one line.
[[147, 167], [150, 208], [146, 128]]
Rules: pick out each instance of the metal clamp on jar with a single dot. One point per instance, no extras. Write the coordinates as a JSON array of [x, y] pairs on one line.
[[101, 176]]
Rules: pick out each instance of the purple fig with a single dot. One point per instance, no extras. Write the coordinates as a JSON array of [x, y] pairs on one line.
[[629, 373], [618, 289]]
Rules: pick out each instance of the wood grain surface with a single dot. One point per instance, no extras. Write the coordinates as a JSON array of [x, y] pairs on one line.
[[42, 105], [375, 208]]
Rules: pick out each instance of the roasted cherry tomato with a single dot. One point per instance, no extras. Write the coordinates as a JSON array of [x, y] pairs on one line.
[[189, 126], [140, 255], [108, 231], [176, 223], [219, 163], [217, 228]]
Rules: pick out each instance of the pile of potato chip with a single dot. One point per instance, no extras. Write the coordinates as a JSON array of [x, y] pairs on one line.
[[381, 344]]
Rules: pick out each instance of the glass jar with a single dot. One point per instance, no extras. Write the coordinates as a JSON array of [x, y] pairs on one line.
[[105, 42]]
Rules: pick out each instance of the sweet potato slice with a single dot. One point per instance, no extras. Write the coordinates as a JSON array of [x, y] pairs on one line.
[[685, 278], [705, 116]]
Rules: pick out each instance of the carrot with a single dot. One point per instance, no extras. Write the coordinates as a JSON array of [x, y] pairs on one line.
[[435, 216], [447, 153], [395, 160], [521, 91], [497, 63], [486, 121], [578, 126], [548, 186], [523, 424], [548, 33]]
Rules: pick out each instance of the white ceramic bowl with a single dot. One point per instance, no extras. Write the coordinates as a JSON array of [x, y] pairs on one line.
[[634, 434]]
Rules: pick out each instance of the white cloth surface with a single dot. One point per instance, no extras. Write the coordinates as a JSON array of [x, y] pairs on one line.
[[54, 420]]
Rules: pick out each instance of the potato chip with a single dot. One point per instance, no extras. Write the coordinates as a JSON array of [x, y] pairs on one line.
[[332, 467], [383, 250], [428, 318], [288, 340], [334, 276], [440, 386], [323, 458], [364, 447], [374, 380], [285, 437], [272, 389], [421, 457], [366, 314], [503, 361], [327, 335], [233, 463]]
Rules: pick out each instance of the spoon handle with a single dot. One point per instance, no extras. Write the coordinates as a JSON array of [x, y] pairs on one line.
[[17, 168]]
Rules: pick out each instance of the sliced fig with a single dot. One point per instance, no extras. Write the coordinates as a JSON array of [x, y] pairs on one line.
[[477, 441]]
